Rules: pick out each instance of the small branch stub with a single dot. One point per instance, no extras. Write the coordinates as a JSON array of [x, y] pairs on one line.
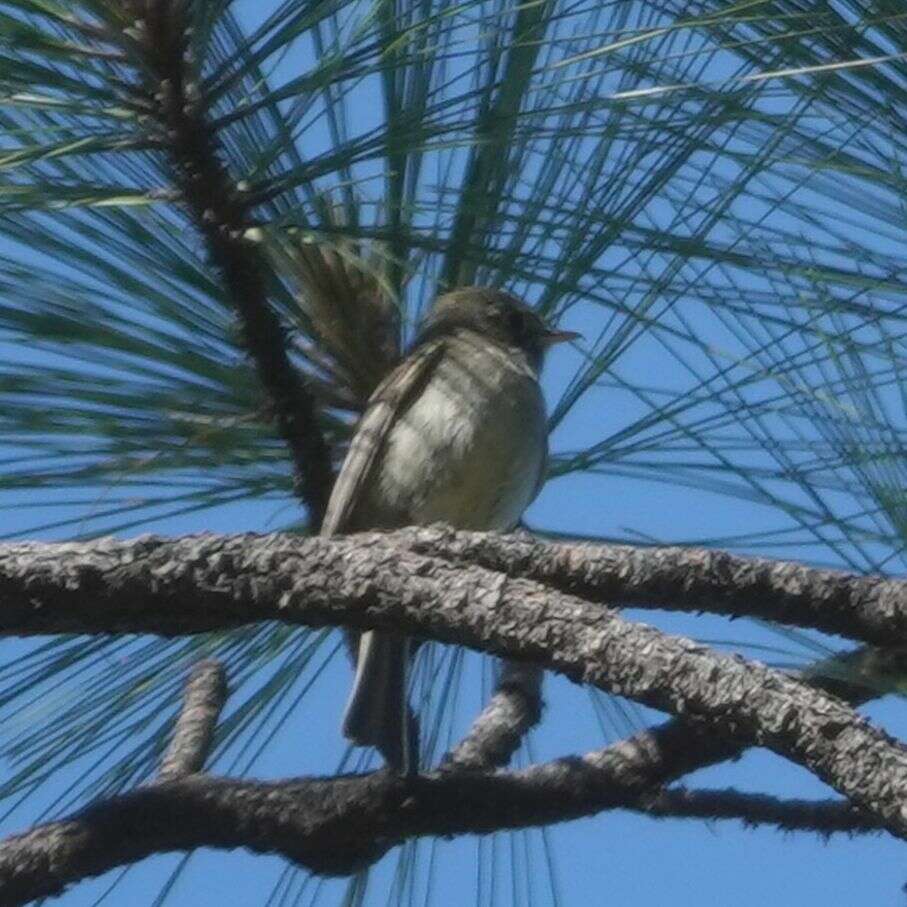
[[498, 730], [193, 734]]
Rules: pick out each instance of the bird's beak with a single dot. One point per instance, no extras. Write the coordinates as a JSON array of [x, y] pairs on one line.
[[550, 338]]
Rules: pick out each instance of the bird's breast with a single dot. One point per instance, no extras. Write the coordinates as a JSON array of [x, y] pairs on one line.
[[470, 449]]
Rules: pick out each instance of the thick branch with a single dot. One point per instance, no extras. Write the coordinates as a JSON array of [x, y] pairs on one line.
[[679, 747], [203, 699], [218, 210], [869, 608], [872, 609], [197, 583], [332, 826], [680, 578]]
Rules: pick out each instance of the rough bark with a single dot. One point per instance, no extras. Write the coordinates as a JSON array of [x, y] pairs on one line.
[[338, 825], [500, 727], [203, 700], [868, 608], [872, 609], [166, 85], [823, 817], [153, 585]]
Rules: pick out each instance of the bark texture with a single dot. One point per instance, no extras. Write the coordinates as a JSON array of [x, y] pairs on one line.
[[498, 731], [869, 608], [167, 85], [205, 695], [338, 825], [154, 585]]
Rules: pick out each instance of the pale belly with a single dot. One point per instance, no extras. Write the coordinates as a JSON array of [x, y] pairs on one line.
[[470, 451]]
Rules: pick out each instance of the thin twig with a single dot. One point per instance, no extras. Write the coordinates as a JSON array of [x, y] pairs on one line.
[[824, 817]]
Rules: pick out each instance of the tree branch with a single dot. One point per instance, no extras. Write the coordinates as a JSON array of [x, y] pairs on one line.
[[498, 730], [153, 585], [678, 747], [218, 209], [338, 825], [872, 609], [824, 817], [203, 700], [869, 608]]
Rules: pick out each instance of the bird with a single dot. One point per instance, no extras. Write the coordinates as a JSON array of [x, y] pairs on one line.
[[457, 434]]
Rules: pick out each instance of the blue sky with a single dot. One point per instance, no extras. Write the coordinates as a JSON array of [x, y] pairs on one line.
[[614, 858]]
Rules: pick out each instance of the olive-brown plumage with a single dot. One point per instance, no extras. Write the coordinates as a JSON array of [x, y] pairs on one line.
[[456, 434]]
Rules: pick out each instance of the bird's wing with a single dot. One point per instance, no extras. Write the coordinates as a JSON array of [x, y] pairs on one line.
[[389, 401]]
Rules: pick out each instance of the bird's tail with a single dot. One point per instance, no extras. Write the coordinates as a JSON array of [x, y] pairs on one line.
[[377, 713]]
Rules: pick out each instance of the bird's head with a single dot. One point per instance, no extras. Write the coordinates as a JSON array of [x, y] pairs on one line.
[[495, 315]]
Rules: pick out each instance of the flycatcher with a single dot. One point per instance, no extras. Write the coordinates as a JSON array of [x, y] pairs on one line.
[[457, 433]]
